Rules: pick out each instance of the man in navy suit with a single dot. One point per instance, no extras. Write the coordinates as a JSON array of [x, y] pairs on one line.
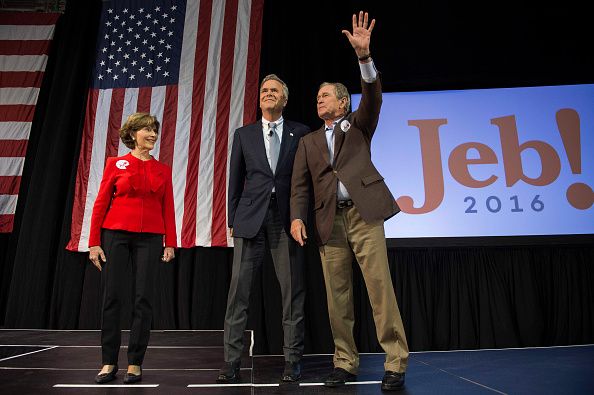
[[259, 190]]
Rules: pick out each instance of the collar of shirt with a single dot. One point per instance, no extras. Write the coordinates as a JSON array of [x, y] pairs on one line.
[[334, 123], [279, 125], [266, 129]]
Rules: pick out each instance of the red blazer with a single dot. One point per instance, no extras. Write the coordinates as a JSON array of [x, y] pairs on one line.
[[135, 196]]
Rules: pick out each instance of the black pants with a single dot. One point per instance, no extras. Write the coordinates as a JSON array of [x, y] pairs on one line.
[[122, 249]]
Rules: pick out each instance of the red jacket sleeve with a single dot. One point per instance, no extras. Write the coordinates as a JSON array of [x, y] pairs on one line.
[[102, 203], [169, 212]]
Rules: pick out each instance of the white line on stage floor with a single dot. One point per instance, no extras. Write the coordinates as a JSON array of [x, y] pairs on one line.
[[463, 378], [106, 385], [99, 330], [96, 346], [347, 383], [27, 353], [275, 384], [413, 353], [231, 385], [143, 369]]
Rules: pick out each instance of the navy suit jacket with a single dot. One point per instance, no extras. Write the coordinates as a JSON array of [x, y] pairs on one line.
[[251, 180]]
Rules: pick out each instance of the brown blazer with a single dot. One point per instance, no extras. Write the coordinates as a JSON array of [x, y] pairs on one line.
[[352, 166]]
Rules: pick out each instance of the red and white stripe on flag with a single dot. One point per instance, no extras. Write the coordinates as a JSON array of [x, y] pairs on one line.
[[216, 91], [24, 45]]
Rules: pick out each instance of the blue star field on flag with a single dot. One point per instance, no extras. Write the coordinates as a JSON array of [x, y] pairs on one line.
[[139, 44]]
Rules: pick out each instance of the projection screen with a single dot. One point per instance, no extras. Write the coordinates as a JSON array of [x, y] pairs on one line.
[[489, 162]]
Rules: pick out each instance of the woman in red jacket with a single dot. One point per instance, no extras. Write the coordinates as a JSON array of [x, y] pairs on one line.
[[133, 217]]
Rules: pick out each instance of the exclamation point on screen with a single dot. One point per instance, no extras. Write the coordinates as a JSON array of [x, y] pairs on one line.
[[579, 195]]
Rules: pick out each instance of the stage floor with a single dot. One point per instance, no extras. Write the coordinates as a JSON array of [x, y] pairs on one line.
[[187, 362]]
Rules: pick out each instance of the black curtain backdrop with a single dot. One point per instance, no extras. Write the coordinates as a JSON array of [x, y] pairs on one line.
[[450, 296]]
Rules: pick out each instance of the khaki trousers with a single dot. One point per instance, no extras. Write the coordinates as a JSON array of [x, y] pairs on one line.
[[351, 235]]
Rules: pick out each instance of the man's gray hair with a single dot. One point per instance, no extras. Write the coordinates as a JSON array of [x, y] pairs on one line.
[[276, 78], [341, 92]]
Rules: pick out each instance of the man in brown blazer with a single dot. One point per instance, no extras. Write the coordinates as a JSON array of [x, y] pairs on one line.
[[351, 203]]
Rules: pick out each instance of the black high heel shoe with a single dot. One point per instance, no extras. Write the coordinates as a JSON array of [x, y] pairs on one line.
[[103, 378], [130, 378]]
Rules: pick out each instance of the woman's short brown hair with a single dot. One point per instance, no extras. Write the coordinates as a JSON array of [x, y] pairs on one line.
[[134, 123]]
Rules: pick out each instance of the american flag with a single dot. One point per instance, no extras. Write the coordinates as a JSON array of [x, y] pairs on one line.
[[194, 65], [24, 45]]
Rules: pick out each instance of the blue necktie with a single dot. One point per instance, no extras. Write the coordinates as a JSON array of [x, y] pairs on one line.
[[330, 142]]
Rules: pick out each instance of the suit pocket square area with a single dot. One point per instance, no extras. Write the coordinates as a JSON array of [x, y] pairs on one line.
[[368, 180]]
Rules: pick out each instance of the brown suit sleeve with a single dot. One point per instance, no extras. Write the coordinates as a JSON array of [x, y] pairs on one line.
[[300, 184], [367, 115]]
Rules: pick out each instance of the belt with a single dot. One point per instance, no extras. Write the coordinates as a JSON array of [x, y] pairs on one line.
[[344, 203]]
